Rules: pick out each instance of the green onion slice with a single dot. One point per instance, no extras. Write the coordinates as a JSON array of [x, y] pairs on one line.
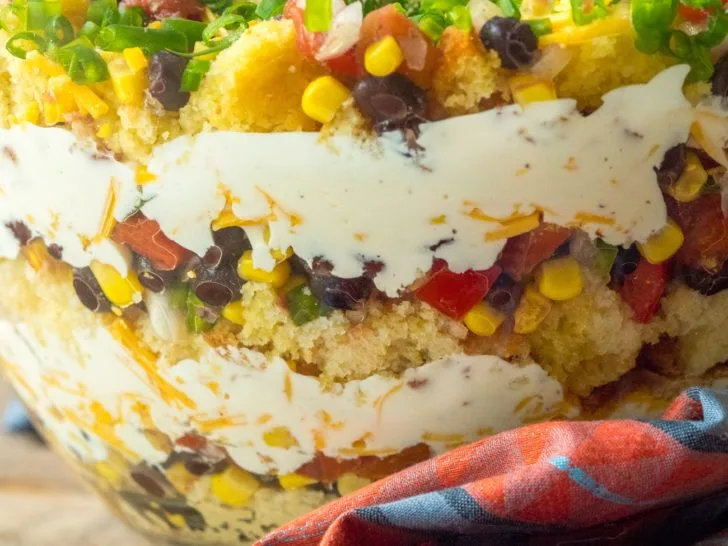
[[193, 74], [583, 15], [267, 9], [20, 44], [606, 254], [151, 40], [82, 62], [191, 29], [318, 15], [432, 24], [229, 21], [133, 16], [111, 17], [90, 30], [509, 8], [244, 9], [59, 30], [460, 17], [716, 30], [653, 15], [302, 305], [97, 10], [12, 18], [195, 310], [540, 27]]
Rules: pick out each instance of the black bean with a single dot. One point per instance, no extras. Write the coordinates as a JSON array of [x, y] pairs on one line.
[[392, 102], [719, 81], [150, 479], [20, 231], [150, 277], [514, 41], [232, 241], [216, 286], [340, 293], [165, 76], [89, 292], [672, 166], [625, 263], [55, 250], [505, 294], [705, 282]]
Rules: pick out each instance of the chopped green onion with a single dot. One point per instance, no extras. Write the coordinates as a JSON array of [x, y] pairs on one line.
[[267, 9], [651, 41], [12, 18], [111, 17], [540, 27], [440, 6], [653, 15], [244, 9], [193, 74], [220, 44], [302, 305], [59, 30], [226, 21], [583, 16], [192, 29], [98, 8], [89, 30], [133, 16], [151, 40], [688, 50], [178, 295], [509, 8], [20, 44], [716, 30], [606, 254], [460, 17], [35, 15], [432, 24], [196, 308], [82, 62], [217, 6], [318, 15]]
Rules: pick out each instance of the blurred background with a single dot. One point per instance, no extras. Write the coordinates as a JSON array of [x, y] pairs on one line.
[[41, 502]]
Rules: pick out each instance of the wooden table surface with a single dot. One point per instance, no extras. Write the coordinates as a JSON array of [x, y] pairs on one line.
[[43, 504]]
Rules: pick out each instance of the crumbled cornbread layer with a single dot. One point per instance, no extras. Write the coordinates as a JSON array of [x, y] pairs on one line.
[[257, 83], [585, 343]]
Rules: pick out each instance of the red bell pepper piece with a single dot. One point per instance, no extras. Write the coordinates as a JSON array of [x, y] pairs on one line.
[[643, 289], [145, 237], [454, 294], [523, 253]]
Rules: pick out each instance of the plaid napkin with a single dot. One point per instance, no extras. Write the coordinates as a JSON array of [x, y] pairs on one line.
[[602, 482]]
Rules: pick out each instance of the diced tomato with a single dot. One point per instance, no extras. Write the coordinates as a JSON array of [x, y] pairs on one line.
[[328, 469], [420, 54], [145, 237], [643, 289], [310, 42], [693, 15], [523, 253], [454, 294], [192, 440], [705, 229]]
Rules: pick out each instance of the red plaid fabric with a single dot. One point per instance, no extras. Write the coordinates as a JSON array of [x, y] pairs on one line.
[[602, 482]]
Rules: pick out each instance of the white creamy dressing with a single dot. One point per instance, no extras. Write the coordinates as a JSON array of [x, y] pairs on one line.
[[351, 202], [442, 403]]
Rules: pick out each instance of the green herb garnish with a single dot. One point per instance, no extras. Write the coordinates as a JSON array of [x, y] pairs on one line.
[[192, 29], [97, 10], [193, 74], [540, 27], [151, 40], [268, 9], [583, 15], [302, 305], [59, 31], [22, 43]]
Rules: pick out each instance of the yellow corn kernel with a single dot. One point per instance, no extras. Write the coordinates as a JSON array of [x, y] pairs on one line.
[[277, 278], [135, 59], [121, 291], [104, 131], [383, 57], [180, 478], [279, 437], [348, 483], [89, 101], [573, 34], [36, 254], [110, 474], [39, 62], [31, 113], [177, 520], [483, 320], [61, 88], [527, 89], [52, 114], [531, 311], [281, 255], [323, 97], [234, 312], [234, 486], [512, 228], [662, 245], [155, 24], [690, 184], [143, 176], [560, 279], [294, 481], [128, 86]]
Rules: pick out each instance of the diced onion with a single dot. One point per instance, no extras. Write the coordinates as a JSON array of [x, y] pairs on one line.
[[481, 11], [553, 60], [344, 33], [710, 131], [582, 248]]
